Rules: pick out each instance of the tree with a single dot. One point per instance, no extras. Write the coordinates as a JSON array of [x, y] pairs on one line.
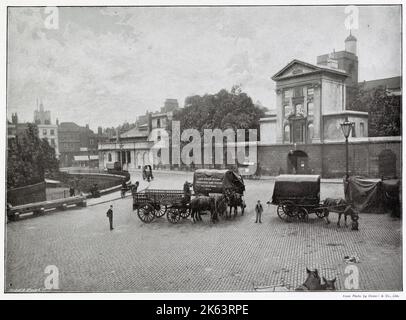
[[226, 109], [30, 159], [384, 111]]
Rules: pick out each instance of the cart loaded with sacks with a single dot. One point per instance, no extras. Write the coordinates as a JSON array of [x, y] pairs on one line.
[[155, 203]]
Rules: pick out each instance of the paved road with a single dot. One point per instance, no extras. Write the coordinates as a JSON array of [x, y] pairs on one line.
[[233, 255]]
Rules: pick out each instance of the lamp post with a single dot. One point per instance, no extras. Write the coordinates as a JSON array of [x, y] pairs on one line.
[[346, 126]]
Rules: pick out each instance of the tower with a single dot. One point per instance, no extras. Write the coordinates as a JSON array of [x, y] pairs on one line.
[[347, 60], [351, 44]]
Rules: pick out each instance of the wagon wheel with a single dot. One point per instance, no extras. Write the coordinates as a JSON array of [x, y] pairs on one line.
[[146, 213], [302, 213], [288, 208], [281, 212], [160, 211], [173, 215], [184, 212], [285, 210]]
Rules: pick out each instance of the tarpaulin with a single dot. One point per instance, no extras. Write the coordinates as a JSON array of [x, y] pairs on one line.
[[300, 189], [215, 181], [366, 195], [392, 194]]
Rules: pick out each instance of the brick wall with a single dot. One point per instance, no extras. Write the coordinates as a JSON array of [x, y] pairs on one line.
[[329, 159]]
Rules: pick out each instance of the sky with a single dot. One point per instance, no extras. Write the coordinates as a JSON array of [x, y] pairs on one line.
[[103, 66]]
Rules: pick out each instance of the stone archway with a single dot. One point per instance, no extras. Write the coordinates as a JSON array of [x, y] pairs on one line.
[[145, 158], [387, 164], [298, 162]]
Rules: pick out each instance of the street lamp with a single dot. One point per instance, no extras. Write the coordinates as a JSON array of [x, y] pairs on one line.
[[346, 126]]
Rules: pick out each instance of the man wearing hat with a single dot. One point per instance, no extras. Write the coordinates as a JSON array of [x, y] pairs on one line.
[[110, 216]]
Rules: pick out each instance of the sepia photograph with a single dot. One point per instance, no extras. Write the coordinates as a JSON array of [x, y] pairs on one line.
[[203, 149]]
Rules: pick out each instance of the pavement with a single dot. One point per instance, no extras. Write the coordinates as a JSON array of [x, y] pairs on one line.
[[232, 255]]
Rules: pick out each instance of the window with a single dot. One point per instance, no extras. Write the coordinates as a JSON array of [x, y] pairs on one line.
[[353, 134], [158, 123], [119, 156], [109, 157], [310, 108], [286, 96], [44, 132], [298, 92], [53, 142], [310, 91], [52, 132], [361, 129], [128, 156], [286, 137]]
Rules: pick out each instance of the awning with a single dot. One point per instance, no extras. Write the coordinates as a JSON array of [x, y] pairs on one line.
[[85, 158]]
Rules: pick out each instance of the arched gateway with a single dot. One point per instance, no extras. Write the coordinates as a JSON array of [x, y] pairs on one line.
[[298, 162]]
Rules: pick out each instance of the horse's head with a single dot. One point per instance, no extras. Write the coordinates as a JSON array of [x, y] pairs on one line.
[[329, 285], [313, 281]]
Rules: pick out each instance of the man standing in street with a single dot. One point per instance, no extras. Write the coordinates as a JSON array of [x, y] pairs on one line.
[[258, 210], [110, 216]]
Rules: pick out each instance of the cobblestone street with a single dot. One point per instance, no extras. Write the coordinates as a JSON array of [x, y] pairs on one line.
[[235, 255]]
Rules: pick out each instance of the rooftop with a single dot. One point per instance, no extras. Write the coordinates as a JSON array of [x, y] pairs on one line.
[[134, 133], [313, 69], [388, 83]]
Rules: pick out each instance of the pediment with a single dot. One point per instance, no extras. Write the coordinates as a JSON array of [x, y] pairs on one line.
[[295, 68]]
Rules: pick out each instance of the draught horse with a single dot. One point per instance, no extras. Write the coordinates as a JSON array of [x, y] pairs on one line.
[[234, 200], [200, 204], [342, 207]]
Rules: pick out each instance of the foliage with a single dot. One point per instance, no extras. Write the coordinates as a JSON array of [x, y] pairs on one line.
[[30, 159], [222, 110], [384, 111]]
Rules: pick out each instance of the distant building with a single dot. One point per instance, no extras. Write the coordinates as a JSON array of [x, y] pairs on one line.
[[132, 148], [393, 85], [77, 141], [14, 128], [47, 130], [170, 105]]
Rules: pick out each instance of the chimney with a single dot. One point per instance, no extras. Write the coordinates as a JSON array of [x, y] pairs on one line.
[[57, 122], [14, 118], [149, 122]]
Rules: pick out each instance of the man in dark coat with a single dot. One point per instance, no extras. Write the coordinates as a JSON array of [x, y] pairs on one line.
[[110, 216], [258, 210]]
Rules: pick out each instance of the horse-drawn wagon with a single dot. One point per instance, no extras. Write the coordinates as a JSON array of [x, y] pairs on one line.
[[297, 196], [226, 186], [155, 203]]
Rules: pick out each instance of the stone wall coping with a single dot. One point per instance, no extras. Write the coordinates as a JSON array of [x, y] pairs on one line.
[[347, 112], [388, 139], [268, 119]]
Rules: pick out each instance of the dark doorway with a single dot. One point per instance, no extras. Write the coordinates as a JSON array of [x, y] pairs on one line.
[[298, 162], [387, 164]]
